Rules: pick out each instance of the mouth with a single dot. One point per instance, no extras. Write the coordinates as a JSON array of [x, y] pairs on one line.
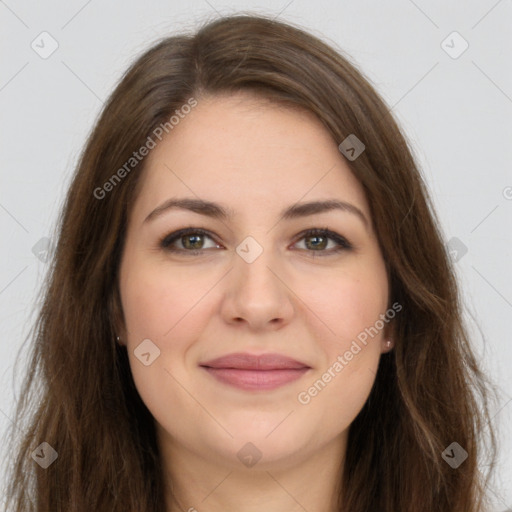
[[255, 372]]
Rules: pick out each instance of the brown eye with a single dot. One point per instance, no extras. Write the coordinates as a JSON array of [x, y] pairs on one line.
[[317, 241], [191, 240]]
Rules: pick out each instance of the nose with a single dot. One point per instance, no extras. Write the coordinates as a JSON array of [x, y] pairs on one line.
[[257, 294]]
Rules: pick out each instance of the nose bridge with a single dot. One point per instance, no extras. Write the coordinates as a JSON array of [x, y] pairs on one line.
[[254, 263], [257, 293]]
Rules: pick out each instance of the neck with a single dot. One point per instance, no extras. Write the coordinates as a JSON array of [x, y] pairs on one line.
[[309, 481]]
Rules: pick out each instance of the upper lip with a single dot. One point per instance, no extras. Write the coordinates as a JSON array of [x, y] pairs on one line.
[[244, 361]]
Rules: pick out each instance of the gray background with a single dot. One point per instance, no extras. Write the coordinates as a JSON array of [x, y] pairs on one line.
[[454, 107]]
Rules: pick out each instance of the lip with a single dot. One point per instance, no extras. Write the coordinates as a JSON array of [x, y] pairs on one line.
[[255, 372]]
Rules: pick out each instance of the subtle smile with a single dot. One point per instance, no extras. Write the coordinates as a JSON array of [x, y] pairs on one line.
[[255, 372]]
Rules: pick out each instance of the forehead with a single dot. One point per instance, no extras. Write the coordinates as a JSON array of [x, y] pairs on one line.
[[250, 154]]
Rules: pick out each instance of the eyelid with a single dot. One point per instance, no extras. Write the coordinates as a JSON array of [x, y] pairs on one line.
[[176, 235], [341, 241], [342, 244]]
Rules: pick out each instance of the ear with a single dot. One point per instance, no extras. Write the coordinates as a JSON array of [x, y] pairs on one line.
[[387, 346], [116, 316], [388, 338]]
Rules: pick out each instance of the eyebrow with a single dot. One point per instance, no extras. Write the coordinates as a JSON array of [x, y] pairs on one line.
[[217, 211]]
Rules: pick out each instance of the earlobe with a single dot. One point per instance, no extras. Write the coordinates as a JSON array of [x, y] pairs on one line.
[[388, 346], [388, 336], [117, 317]]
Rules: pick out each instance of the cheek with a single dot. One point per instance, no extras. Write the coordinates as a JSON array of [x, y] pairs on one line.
[[335, 404], [351, 304], [168, 307], [350, 309], [164, 307], [157, 302]]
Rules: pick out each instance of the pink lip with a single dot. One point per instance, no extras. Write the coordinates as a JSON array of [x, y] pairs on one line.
[[251, 372]]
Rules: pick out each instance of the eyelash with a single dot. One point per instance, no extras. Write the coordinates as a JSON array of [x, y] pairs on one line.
[[343, 244]]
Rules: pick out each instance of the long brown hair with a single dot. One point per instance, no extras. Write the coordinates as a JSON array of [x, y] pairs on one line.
[[79, 396]]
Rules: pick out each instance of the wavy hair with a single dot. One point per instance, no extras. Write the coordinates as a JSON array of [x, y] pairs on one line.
[[78, 393]]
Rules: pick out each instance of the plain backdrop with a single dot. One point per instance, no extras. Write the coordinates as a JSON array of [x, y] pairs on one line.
[[451, 93]]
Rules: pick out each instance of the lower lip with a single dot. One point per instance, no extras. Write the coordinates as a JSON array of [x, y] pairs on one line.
[[256, 379]]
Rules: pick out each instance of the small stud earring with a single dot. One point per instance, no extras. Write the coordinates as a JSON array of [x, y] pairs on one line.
[[388, 344], [117, 339]]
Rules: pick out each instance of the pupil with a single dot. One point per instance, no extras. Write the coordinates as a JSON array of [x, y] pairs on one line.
[[191, 237], [317, 238]]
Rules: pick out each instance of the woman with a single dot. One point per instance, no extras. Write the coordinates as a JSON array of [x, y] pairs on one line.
[[250, 305]]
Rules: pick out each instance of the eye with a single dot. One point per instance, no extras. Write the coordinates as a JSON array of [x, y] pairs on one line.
[[190, 241], [319, 240]]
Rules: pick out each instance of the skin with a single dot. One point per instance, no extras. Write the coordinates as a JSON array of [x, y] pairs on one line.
[[255, 158]]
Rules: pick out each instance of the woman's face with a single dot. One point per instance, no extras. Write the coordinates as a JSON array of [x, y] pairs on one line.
[[252, 283]]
